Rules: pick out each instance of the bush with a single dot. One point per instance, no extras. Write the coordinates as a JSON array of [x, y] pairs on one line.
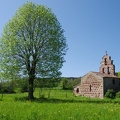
[[24, 88], [7, 87], [110, 94], [118, 94]]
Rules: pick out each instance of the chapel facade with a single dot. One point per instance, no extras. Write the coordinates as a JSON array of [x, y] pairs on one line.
[[96, 84]]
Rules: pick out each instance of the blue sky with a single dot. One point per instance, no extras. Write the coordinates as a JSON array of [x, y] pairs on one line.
[[91, 28]]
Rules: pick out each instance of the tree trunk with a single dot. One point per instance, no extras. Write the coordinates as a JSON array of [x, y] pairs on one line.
[[31, 86]]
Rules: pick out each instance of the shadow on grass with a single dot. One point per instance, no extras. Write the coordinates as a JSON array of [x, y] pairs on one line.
[[1, 99], [55, 100]]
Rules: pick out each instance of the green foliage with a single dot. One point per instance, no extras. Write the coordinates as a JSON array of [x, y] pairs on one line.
[[118, 94], [24, 88], [76, 81], [110, 94], [11, 86], [32, 43], [21, 84], [64, 81], [118, 74], [47, 82], [7, 87], [68, 84]]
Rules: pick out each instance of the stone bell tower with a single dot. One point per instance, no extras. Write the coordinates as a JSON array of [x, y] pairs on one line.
[[107, 66]]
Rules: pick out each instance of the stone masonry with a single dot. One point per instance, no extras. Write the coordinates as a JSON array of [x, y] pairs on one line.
[[95, 84]]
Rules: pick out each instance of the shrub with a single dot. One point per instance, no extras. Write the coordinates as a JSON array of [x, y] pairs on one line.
[[42, 96], [7, 87], [110, 94], [118, 94], [24, 88]]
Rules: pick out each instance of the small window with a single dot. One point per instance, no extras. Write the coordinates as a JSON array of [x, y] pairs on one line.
[[108, 70], [103, 70], [113, 81], [90, 88], [77, 91], [105, 61]]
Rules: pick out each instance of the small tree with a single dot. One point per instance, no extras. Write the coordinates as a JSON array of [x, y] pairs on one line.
[[32, 45], [110, 94], [118, 74], [118, 94], [64, 81]]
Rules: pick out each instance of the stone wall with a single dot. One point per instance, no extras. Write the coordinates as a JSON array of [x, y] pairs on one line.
[[91, 86], [95, 85], [77, 90]]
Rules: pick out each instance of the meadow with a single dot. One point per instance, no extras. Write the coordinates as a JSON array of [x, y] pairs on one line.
[[57, 105]]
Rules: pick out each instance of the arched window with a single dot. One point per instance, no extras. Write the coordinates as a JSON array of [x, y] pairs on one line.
[[77, 91], [105, 61], [108, 70], [103, 70]]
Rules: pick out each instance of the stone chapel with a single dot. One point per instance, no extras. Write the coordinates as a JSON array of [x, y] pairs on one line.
[[95, 84]]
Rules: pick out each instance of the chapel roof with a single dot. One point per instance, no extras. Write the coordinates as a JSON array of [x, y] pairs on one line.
[[105, 75]]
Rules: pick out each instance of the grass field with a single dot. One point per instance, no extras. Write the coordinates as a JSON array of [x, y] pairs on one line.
[[57, 105]]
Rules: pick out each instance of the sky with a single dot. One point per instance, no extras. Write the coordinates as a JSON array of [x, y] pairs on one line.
[[91, 28]]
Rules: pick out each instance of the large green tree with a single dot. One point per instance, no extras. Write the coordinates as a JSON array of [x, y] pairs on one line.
[[32, 45]]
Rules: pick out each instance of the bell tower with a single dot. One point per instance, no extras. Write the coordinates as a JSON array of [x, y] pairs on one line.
[[107, 66]]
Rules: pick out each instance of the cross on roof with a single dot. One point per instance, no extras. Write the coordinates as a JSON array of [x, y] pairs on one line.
[[106, 52]]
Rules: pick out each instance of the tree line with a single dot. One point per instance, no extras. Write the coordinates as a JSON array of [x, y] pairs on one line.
[[22, 85]]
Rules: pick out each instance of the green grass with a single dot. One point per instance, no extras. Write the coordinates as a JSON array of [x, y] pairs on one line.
[[58, 105]]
